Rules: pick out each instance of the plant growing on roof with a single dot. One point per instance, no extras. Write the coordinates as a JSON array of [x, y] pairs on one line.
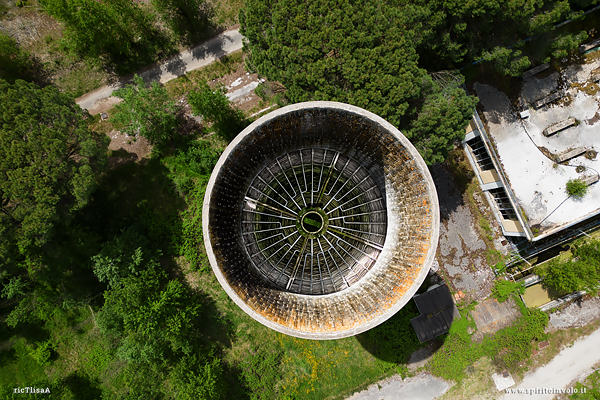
[[576, 188]]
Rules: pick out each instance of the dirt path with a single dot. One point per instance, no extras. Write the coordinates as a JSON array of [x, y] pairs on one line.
[[189, 60]]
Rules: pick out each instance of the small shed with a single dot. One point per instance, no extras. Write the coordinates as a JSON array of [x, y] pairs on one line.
[[437, 310]]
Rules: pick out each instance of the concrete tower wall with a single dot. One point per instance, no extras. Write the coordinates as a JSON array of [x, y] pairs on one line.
[[402, 260]]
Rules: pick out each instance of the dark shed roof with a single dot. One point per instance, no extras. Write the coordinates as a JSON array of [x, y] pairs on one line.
[[437, 310]]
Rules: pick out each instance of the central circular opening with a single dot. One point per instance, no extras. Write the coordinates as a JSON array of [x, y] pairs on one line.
[[312, 222]]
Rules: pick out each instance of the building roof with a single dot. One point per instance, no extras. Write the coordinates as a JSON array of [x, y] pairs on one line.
[[537, 154], [437, 310]]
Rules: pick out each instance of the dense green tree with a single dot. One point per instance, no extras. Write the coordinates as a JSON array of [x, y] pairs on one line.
[[358, 52], [454, 31], [565, 44], [147, 111], [507, 61], [153, 314], [444, 108], [120, 257], [48, 162], [197, 377]]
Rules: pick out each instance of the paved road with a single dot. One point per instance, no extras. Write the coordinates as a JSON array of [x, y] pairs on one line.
[[189, 60], [572, 363]]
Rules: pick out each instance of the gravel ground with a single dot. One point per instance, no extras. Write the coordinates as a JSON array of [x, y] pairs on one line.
[[461, 251]]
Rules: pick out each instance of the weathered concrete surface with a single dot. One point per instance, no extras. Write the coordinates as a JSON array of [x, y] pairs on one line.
[[535, 88], [412, 219], [461, 251], [421, 387], [186, 61], [502, 382], [576, 314], [572, 363], [490, 316]]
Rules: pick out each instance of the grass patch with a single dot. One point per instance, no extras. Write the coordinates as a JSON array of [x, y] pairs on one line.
[[477, 382], [311, 369], [185, 83], [226, 12], [487, 229]]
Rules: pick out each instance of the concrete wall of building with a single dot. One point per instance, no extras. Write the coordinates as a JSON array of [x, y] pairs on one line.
[[412, 226]]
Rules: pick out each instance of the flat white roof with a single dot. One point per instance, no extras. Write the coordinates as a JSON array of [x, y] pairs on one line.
[[537, 182]]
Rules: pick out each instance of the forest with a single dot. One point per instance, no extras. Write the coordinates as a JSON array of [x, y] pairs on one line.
[[106, 290]]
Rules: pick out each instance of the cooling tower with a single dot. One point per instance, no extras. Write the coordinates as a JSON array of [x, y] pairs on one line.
[[320, 220]]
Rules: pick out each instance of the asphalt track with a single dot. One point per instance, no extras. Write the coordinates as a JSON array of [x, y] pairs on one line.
[[186, 61]]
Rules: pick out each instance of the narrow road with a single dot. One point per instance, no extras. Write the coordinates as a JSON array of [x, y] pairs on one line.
[[186, 61], [571, 363]]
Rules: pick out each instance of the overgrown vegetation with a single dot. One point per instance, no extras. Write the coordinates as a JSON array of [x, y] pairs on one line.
[[350, 64], [581, 271], [82, 44], [148, 112], [128, 35], [215, 109], [507, 347], [103, 309], [504, 289]]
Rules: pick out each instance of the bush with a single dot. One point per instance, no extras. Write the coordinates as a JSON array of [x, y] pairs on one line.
[[42, 352], [197, 378], [508, 347], [565, 44], [195, 162], [260, 372], [507, 61], [192, 240], [576, 188], [190, 171], [580, 272], [215, 108], [512, 345]]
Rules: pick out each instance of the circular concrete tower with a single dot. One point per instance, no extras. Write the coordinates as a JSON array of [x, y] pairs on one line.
[[320, 220]]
